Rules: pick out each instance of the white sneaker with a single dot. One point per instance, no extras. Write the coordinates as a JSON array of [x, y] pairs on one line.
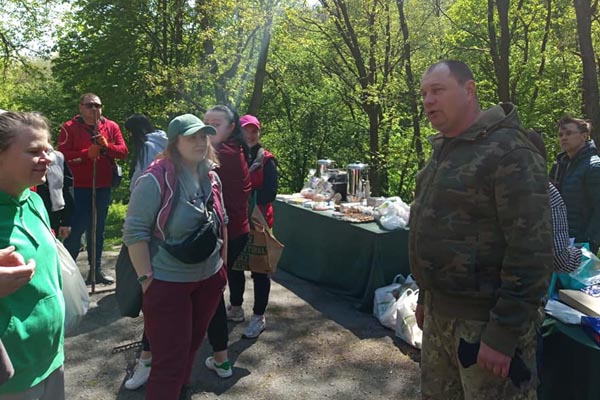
[[235, 313], [140, 374], [255, 327], [224, 369]]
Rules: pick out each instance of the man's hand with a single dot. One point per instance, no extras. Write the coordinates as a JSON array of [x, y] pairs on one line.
[[490, 359], [94, 151], [14, 273], [101, 141], [420, 315]]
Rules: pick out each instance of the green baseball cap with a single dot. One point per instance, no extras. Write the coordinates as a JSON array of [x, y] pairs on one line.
[[188, 124]]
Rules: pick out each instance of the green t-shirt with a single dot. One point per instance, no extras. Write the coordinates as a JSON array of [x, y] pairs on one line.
[[32, 318]]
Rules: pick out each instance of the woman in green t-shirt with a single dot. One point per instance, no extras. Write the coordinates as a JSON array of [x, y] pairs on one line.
[[32, 310]]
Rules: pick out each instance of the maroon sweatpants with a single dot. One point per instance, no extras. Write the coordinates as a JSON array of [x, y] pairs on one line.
[[176, 316]]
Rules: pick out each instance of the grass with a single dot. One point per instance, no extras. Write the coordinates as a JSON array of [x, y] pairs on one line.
[[113, 231]]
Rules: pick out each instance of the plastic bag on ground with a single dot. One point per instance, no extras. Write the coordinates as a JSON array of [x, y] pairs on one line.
[[384, 302], [406, 321]]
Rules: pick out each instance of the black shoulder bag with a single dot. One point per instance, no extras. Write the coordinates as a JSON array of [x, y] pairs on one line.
[[199, 245]]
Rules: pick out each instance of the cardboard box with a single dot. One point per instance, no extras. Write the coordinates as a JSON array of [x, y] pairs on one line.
[[580, 301]]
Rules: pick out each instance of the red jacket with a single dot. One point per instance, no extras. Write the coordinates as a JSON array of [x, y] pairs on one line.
[[73, 141], [257, 177], [236, 187]]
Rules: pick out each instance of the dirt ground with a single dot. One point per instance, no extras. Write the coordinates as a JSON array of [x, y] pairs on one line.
[[316, 346]]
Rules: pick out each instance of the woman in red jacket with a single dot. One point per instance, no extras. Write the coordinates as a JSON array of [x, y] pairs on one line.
[[263, 176], [235, 179]]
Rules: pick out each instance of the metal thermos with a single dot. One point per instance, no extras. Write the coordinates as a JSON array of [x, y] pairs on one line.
[[323, 166], [358, 182]]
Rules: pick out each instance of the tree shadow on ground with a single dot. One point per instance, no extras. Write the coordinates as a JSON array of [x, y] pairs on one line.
[[342, 311]]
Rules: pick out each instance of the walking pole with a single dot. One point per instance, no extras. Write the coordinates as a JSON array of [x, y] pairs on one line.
[[94, 216]]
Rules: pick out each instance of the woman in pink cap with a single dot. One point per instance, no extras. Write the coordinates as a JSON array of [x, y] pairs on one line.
[[263, 175]]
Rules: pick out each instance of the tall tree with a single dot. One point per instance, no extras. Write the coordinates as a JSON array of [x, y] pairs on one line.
[[412, 95], [261, 66], [500, 46], [591, 105]]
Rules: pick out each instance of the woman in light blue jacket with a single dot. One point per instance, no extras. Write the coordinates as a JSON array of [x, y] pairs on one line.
[[147, 141]]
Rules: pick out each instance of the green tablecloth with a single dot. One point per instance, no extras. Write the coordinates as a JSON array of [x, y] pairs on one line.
[[348, 259], [571, 363]]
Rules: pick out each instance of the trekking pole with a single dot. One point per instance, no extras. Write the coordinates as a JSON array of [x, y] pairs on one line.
[[94, 216]]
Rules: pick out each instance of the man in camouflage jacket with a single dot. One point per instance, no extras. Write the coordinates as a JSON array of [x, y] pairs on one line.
[[480, 241]]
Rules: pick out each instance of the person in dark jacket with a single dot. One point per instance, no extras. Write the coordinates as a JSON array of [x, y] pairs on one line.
[[576, 174], [263, 175], [480, 242]]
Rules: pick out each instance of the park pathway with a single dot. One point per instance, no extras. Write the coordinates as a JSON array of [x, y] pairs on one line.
[[316, 346]]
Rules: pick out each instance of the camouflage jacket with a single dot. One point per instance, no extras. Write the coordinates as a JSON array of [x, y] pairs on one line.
[[480, 227]]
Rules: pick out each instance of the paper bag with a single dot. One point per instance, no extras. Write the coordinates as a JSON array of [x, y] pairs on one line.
[[263, 250]]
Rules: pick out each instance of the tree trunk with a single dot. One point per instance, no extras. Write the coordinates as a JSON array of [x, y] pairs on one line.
[[591, 107], [261, 68], [500, 48], [410, 83]]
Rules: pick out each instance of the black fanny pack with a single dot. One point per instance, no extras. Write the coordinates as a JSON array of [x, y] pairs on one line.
[[200, 244]]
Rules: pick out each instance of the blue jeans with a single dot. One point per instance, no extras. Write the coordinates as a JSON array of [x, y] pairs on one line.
[[82, 222]]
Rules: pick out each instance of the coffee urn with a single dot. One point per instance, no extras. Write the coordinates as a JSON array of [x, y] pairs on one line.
[[323, 166], [358, 182]]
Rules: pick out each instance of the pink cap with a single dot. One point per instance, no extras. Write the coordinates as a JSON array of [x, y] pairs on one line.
[[249, 120]]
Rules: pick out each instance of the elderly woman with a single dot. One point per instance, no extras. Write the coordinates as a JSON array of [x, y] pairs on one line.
[[576, 174], [175, 232], [32, 309]]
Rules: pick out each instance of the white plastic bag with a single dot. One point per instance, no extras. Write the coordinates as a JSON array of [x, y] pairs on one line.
[[384, 302], [77, 300], [392, 214], [406, 321]]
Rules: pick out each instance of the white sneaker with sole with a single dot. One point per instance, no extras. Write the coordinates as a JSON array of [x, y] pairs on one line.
[[235, 313], [140, 374], [255, 327], [224, 369]]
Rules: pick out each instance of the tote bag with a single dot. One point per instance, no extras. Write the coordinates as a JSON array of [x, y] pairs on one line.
[[263, 250]]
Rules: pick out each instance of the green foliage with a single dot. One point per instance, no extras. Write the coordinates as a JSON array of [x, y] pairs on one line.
[[163, 58], [114, 225]]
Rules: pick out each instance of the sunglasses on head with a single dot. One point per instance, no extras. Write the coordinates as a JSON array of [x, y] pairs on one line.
[[92, 105]]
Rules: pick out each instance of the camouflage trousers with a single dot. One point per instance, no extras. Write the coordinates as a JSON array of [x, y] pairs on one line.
[[442, 376]]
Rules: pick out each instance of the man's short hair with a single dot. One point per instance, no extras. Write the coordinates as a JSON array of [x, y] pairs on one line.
[[583, 126], [458, 69], [86, 95]]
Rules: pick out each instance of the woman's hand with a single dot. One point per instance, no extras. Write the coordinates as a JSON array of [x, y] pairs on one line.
[[146, 284], [14, 273]]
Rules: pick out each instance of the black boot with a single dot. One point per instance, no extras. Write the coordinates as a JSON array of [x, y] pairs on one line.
[[101, 277]]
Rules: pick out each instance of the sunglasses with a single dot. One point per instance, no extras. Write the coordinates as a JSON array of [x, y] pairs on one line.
[[92, 105]]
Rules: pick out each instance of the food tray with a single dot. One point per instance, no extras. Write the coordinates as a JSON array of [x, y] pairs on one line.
[[355, 218]]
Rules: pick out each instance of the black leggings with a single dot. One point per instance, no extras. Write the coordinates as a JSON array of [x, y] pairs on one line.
[[262, 288], [218, 334]]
